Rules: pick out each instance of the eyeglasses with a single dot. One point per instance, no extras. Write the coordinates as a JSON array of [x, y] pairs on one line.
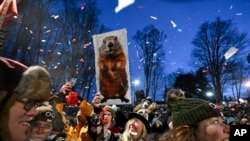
[[45, 128], [28, 103]]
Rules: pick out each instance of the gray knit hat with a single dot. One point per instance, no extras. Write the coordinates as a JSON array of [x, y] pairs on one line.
[[189, 111]]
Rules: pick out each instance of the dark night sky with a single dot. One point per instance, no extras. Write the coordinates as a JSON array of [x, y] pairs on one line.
[[188, 15]]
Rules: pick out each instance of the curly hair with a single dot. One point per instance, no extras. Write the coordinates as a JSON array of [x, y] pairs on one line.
[[183, 134]]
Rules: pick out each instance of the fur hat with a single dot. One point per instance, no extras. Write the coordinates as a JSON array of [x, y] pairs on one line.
[[35, 84], [189, 111], [141, 118], [146, 109], [27, 82]]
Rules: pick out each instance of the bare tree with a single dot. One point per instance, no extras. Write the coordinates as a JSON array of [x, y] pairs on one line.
[[237, 74], [150, 41], [211, 43], [57, 35]]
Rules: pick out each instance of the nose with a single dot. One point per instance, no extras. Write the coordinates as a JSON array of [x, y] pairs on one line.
[[110, 44], [32, 112], [40, 130], [226, 128]]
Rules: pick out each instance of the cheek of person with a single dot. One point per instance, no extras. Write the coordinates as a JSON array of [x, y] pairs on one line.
[[108, 117], [213, 129], [19, 121]]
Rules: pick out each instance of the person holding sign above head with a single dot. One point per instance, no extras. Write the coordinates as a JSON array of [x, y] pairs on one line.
[[194, 119]]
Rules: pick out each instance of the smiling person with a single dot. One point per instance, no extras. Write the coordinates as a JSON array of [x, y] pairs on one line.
[[137, 128], [194, 120], [22, 88], [42, 127]]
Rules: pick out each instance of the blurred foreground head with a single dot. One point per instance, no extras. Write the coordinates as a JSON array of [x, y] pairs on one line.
[[25, 82], [20, 84]]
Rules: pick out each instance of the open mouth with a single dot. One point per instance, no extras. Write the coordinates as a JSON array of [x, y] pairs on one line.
[[134, 133]]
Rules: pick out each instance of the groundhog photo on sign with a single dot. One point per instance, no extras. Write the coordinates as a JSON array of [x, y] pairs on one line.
[[113, 78]]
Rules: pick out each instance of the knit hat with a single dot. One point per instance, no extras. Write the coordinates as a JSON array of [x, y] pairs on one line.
[[141, 118], [189, 111]]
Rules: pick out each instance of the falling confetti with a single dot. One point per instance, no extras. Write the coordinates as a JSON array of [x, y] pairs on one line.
[[87, 44], [230, 52], [153, 17], [238, 14], [180, 30], [140, 6], [173, 24], [123, 4], [82, 60], [231, 7], [47, 31], [55, 16], [83, 6]]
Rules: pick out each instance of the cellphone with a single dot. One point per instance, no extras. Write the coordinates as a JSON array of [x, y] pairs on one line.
[[73, 81]]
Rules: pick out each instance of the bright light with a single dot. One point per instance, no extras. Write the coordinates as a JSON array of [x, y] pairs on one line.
[[136, 82], [209, 94], [247, 84]]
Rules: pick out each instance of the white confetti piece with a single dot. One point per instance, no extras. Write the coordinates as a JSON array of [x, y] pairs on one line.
[[153, 17], [230, 52], [173, 24], [123, 4]]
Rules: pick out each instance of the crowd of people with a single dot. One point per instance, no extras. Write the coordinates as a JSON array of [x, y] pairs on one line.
[[30, 112]]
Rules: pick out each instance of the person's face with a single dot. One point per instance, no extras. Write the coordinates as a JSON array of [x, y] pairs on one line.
[[144, 113], [135, 128], [19, 121], [40, 130], [213, 129], [108, 117]]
